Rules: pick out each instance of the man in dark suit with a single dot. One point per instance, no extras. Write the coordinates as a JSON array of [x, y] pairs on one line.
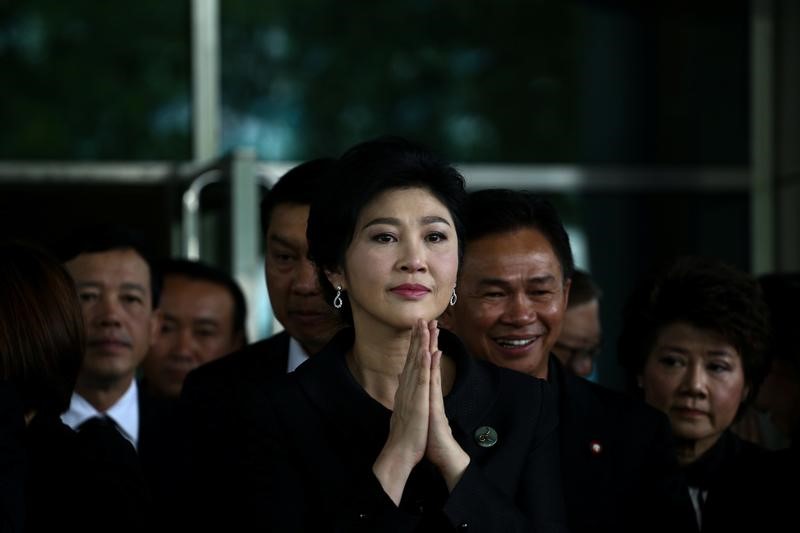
[[119, 290], [618, 469], [216, 396]]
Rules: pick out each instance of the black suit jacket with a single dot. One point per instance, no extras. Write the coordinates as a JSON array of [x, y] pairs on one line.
[[309, 462], [217, 410], [618, 465]]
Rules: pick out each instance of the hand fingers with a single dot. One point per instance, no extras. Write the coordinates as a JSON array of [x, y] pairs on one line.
[[433, 328]]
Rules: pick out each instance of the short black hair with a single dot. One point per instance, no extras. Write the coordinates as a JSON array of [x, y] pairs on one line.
[[198, 270], [583, 289], [97, 238], [708, 294], [493, 211], [361, 174], [297, 186]]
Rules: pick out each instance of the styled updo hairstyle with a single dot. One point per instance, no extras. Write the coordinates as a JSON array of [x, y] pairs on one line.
[[364, 172]]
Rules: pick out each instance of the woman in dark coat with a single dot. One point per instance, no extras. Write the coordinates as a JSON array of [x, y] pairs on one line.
[[393, 427], [693, 341]]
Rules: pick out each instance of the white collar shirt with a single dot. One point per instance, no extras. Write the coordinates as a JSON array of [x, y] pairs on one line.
[[124, 413], [297, 355]]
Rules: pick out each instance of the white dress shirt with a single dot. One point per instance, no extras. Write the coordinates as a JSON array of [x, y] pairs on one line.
[[297, 355], [124, 413]]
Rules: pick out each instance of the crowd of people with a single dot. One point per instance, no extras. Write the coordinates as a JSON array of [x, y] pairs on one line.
[[430, 375]]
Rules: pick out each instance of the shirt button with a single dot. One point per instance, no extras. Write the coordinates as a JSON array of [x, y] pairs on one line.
[[463, 525], [363, 516]]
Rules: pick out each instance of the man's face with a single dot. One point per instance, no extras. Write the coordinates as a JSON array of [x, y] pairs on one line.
[[197, 327], [114, 290], [579, 341], [511, 300], [294, 291]]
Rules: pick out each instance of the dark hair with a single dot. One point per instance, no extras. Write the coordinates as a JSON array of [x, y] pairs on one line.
[[361, 174], [42, 335], [782, 294], [297, 186], [707, 294], [583, 289], [493, 211], [99, 238], [197, 270]]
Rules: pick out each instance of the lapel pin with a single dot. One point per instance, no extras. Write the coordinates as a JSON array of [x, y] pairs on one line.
[[486, 436]]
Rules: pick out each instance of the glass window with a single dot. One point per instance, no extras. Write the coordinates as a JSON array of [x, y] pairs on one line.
[[94, 80]]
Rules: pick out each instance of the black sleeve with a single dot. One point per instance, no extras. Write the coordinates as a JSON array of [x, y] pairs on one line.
[[476, 503]]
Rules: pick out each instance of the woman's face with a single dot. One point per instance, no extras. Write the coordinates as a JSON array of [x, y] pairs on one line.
[[696, 377], [402, 263]]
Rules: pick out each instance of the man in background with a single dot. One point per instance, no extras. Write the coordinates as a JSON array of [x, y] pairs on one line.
[[203, 314], [579, 342]]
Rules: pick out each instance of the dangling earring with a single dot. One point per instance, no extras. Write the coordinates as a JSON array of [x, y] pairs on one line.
[[337, 300], [453, 298]]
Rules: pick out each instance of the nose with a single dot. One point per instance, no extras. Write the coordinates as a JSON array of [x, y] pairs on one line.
[[305, 281], [107, 311], [519, 311], [694, 380], [412, 259], [184, 344]]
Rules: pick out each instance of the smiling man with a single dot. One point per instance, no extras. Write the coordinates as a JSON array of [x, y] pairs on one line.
[[618, 469]]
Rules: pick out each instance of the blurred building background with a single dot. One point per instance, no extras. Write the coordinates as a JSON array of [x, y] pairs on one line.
[[659, 128]]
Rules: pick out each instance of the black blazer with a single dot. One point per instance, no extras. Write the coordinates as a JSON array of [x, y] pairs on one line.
[[618, 465], [217, 409], [308, 466]]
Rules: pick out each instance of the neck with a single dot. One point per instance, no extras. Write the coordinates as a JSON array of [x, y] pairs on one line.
[[377, 360], [690, 450], [102, 396]]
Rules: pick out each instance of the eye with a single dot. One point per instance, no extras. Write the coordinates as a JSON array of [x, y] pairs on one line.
[[384, 238], [718, 367], [167, 327], [131, 298], [436, 236], [282, 258], [670, 361], [205, 333], [493, 294], [87, 297]]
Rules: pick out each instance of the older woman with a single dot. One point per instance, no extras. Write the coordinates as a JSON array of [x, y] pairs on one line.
[[694, 340], [393, 427]]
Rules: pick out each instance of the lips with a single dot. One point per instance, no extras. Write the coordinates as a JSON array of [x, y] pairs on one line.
[[411, 291], [689, 412], [109, 343], [516, 343]]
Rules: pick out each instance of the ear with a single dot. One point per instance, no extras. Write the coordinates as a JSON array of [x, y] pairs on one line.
[[745, 393], [639, 381], [567, 285], [156, 318], [337, 279]]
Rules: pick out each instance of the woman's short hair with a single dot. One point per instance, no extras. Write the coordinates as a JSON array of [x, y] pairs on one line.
[[42, 335], [705, 293], [361, 174]]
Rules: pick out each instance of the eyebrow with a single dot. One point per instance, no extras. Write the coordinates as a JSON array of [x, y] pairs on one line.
[[541, 280], [391, 221], [277, 239], [124, 286]]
